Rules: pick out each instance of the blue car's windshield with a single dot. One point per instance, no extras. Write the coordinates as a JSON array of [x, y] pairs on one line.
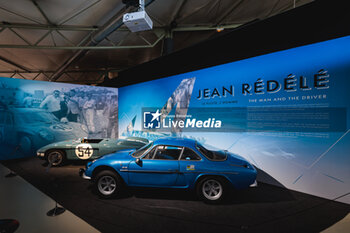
[[212, 155], [142, 150]]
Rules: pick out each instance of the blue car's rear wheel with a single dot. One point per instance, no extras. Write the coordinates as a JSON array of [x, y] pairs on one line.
[[211, 189], [108, 184]]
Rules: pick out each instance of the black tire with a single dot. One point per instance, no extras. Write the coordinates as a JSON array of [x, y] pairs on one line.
[[108, 184], [56, 158], [211, 189]]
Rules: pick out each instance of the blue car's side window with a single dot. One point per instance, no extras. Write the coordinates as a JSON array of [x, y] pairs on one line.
[[150, 154], [168, 153], [189, 154]]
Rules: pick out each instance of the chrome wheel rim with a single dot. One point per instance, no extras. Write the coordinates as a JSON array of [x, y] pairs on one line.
[[55, 158], [212, 190], [107, 185]]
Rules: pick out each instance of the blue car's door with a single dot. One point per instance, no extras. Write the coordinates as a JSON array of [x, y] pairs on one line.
[[190, 164], [158, 168]]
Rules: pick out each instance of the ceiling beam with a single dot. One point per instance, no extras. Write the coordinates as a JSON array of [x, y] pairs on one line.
[[20, 15], [96, 28], [42, 12], [204, 28], [14, 64], [95, 76], [228, 12], [177, 11], [53, 71], [195, 10], [82, 47], [112, 25], [20, 36], [48, 27], [79, 12], [118, 46]]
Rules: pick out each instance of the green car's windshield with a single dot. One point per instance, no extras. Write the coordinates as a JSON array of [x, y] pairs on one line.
[[212, 155], [142, 150]]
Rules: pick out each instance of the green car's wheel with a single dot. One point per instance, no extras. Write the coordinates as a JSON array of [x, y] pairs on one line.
[[108, 184], [56, 157], [211, 189]]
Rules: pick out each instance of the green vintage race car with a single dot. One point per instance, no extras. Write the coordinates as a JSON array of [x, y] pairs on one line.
[[58, 153]]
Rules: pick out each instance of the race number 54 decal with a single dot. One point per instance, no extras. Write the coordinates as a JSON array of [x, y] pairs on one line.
[[84, 151]]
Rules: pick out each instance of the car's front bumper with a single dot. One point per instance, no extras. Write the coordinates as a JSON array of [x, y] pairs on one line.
[[83, 175], [255, 184]]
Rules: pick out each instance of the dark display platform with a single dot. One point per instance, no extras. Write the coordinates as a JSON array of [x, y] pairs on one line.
[[265, 208]]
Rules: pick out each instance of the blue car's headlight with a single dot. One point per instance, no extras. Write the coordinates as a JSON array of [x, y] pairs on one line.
[[46, 135], [249, 166]]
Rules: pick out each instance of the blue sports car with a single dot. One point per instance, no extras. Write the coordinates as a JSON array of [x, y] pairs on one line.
[[171, 163]]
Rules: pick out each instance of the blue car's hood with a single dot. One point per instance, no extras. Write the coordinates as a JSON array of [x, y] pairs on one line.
[[120, 155]]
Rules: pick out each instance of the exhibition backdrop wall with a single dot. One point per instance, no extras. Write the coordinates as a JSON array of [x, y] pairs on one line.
[[286, 112], [35, 113]]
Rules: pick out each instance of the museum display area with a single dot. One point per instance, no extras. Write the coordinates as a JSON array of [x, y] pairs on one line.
[[218, 137]]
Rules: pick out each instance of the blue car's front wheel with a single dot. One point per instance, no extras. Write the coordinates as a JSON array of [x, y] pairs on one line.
[[108, 184]]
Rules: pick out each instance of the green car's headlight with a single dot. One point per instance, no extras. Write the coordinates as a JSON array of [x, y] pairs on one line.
[[40, 154]]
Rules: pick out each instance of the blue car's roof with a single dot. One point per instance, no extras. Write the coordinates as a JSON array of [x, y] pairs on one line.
[[176, 142]]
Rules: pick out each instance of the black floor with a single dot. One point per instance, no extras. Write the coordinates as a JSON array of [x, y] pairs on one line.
[[263, 209]]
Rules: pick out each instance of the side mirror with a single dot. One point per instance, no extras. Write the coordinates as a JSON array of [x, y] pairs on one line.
[[138, 161]]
